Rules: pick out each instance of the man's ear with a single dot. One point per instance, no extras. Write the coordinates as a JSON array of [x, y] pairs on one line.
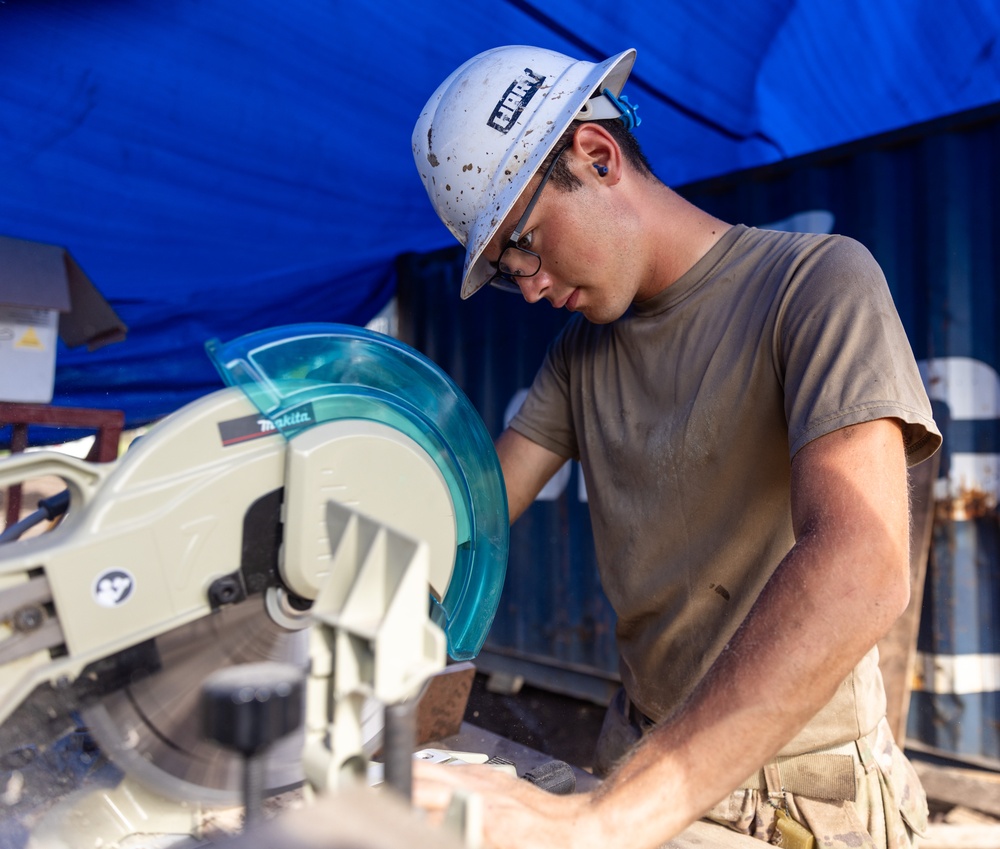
[[597, 149]]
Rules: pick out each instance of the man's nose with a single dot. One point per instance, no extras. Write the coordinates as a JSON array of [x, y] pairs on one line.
[[533, 288]]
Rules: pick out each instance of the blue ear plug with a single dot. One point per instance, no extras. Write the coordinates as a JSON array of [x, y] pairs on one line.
[[602, 170]]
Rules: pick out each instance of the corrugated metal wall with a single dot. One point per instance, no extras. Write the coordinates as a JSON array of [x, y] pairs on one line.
[[925, 202], [554, 625]]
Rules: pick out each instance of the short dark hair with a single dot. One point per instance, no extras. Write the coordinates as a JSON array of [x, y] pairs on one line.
[[567, 180]]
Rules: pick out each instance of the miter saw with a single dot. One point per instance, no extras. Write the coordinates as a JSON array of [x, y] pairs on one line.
[[339, 508]]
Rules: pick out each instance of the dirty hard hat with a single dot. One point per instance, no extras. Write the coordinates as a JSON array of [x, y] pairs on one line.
[[486, 130]]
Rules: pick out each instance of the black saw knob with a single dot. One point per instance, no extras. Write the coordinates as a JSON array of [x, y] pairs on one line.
[[250, 706], [247, 708]]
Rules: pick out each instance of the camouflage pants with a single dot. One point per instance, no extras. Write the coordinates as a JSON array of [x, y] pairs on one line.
[[862, 795]]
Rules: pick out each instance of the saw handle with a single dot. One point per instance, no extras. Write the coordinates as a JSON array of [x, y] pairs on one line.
[[82, 477], [50, 508]]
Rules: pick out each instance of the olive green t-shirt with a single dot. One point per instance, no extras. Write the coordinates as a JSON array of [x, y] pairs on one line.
[[685, 414]]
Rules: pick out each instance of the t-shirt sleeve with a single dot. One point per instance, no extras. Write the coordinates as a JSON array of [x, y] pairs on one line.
[[842, 352], [546, 416]]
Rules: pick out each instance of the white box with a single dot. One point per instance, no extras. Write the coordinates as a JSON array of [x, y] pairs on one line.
[[45, 297], [27, 353]]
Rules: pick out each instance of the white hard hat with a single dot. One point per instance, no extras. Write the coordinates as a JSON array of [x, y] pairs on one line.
[[486, 130]]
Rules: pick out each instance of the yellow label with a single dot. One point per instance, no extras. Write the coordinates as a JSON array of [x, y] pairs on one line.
[[29, 340]]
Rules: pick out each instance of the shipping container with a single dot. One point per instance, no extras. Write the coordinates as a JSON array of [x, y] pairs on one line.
[[924, 200]]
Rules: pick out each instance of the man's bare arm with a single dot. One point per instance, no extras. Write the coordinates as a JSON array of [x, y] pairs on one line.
[[833, 597], [836, 593], [527, 467]]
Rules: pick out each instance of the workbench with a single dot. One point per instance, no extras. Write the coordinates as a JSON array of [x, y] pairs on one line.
[[700, 835]]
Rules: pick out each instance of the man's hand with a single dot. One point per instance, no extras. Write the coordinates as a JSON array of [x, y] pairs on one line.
[[516, 814]]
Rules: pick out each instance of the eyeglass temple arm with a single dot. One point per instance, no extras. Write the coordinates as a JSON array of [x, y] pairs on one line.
[[519, 228]]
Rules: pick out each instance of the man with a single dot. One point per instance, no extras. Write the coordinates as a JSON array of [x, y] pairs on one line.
[[744, 405]]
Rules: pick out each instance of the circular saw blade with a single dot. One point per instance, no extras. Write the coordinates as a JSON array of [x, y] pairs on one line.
[[151, 728]]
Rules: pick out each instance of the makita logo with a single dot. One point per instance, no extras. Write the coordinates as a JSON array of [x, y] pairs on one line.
[[512, 104], [237, 431], [288, 420]]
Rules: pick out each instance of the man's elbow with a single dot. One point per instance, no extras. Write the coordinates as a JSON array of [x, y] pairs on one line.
[[892, 592]]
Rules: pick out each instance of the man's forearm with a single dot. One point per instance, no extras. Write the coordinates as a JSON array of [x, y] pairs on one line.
[[835, 594], [767, 684]]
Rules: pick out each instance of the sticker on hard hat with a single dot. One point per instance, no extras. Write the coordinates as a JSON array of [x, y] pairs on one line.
[[514, 100], [113, 587]]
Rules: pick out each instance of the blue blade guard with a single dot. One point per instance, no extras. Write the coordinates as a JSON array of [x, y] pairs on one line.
[[337, 372]]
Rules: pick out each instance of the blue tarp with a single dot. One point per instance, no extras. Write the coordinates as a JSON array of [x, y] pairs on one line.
[[218, 167]]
